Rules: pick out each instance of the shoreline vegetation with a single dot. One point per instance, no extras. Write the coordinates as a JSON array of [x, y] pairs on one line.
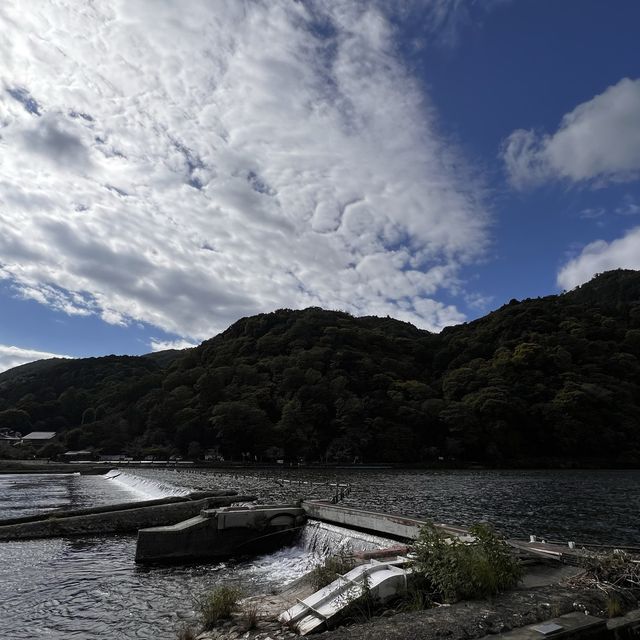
[[461, 591], [540, 383]]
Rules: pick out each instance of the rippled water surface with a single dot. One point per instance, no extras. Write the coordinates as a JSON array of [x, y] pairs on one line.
[[584, 506], [91, 588], [30, 494]]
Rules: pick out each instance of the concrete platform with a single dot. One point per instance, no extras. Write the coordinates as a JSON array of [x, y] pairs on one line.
[[383, 524], [220, 533], [570, 625], [127, 518]]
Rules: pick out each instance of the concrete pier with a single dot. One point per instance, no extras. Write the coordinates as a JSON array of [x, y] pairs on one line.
[[219, 533]]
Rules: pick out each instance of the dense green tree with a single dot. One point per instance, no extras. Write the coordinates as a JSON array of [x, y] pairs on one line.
[[553, 380], [15, 420]]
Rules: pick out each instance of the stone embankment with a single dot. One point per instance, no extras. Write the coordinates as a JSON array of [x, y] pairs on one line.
[[14, 467]]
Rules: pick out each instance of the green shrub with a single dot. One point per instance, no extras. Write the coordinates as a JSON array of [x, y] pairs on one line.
[[417, 596], [455, 570], [218, 605]]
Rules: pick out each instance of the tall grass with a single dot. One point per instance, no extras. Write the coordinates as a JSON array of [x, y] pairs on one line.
[[217, 605]]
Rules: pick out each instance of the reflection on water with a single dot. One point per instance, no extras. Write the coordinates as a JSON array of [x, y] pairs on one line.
[[90, 588], [30, 494]]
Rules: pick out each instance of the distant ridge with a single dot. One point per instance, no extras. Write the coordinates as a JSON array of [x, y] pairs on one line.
[[30, 368], [553, 381]]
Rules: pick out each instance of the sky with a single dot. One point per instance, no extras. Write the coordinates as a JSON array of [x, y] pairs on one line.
[[168, 167]]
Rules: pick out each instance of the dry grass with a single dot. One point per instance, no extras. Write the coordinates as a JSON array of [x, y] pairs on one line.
[[616, 574], [250, 616]]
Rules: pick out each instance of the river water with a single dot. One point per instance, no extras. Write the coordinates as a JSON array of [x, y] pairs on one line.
[[90, 588]]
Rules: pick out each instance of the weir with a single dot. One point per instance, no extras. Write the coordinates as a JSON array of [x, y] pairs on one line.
[[230, 531], [221, 533], [128, 518], [382, 524], [173, 505], [145, 487], [324, 539]]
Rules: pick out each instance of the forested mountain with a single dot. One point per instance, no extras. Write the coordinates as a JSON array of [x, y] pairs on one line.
[[554, 380]]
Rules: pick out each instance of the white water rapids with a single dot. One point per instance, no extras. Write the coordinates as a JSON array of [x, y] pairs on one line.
[[144, 488]]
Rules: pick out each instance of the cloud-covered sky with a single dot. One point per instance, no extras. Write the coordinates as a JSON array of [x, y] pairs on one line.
[[165, 172]]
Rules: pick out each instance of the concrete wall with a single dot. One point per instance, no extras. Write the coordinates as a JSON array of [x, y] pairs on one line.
[[220, 533], [383, 524], [127, 520], [65, 513]]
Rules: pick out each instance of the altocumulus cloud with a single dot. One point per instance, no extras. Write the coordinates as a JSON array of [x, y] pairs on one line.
[[598, 141], [187, 167]]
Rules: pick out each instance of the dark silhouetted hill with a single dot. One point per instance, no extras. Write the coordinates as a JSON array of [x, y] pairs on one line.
[[548, 381]]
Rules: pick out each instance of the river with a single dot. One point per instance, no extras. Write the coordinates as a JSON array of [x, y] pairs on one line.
[[90, 588]]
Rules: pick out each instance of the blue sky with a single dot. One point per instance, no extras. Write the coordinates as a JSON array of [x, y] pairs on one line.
[[164, 173]]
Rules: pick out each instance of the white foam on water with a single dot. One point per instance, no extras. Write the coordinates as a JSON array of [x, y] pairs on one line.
[[317, 541], [144, 487], [278, 568], [325, 539]]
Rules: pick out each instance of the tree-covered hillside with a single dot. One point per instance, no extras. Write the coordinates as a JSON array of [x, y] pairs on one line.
[[548, 381]]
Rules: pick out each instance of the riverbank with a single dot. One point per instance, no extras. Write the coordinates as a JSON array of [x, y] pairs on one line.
[[98, 574], [461, 621], [86, 467], [44, 466]]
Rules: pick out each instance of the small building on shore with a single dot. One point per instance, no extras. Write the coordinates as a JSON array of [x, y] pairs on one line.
[[38, 437]]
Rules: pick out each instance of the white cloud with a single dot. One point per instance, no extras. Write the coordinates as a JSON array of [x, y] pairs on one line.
[[629, 207], [592, 213], [598, 141], [599, 256], [186, 168], [14, 356], [163, 345]]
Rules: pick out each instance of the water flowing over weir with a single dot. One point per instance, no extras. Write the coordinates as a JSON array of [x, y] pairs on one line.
[[323, 539], [145, 488]]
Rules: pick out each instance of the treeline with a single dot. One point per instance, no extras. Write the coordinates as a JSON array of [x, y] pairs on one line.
[[552, 381]]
